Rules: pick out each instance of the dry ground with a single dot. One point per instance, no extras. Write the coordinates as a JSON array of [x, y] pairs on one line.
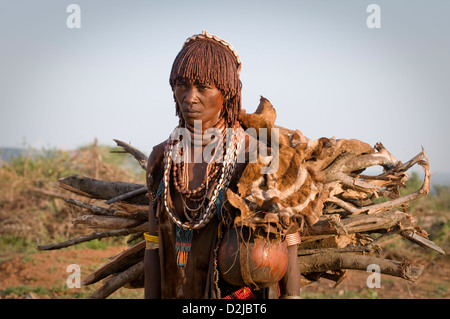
[[434, 283], [43, 275]]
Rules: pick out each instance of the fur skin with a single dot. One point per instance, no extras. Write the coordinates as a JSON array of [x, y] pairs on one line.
[[274, 205]]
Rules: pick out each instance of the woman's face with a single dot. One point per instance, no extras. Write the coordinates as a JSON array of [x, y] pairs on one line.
[[199, 102]]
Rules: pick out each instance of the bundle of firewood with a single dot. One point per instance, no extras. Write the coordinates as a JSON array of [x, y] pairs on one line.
[[113, 209], [357, 214]]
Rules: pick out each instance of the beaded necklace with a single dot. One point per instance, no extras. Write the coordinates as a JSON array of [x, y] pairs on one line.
[[226, 172], [202, 214]]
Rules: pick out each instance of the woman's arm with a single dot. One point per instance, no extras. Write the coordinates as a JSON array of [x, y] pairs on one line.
[[152, 271], [151, 263], [290, 283]]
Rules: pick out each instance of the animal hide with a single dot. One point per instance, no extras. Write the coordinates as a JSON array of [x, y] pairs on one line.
[[293, 196]]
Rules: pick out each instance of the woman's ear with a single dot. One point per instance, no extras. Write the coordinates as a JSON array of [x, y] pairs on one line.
[[177, 109]]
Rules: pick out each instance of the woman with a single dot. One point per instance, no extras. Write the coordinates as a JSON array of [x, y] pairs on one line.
[[188, 175]]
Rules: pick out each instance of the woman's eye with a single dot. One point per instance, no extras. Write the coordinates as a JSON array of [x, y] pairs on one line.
[[203, 87]]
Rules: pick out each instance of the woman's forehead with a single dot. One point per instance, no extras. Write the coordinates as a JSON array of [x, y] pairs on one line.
[[195, 81]]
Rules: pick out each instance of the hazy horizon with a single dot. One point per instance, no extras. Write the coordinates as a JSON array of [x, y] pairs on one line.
[[324, 70]]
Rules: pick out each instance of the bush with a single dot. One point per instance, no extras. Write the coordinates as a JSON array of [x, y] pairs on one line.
[[30, 202]]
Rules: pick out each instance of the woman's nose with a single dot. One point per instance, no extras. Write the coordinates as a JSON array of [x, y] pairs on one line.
[[191, 95]]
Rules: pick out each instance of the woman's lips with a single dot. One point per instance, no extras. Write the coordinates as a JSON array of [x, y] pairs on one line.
[[190, 112]]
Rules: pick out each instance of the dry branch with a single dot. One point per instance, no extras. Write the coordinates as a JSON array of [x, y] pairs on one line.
[[133, 211], [100, 189], [128, 195], [421, 241], [111, 222], [335, 174], [138, 155], [336, 261], [354, 224], [119, 280], [47, 192], [97, 210], [370, 248], [82, 239], [119, 263]]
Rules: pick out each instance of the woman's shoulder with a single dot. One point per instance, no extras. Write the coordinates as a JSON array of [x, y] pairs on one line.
[[155, 165], [157, 151]]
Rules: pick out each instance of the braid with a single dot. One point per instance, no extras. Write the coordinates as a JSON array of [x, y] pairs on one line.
[[207, 59]]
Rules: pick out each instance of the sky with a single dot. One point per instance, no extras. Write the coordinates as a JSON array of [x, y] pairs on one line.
[[318, 62]]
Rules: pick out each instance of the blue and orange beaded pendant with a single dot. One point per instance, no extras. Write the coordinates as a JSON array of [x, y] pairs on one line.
[[183, 245]]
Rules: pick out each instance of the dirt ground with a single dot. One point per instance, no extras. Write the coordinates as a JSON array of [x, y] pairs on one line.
[[434, 283], [44, 275]]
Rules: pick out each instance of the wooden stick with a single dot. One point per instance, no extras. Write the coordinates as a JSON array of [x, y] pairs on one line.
[[372, 247], [416, 159], [128, 195], [138, 155], [337, 261], [421, 241], [119, 263], [364, 161], [376, 208], [94, 209], [110, 222], [357, 224], [101, 189], [133, 211], [47, 192], [119, 280], [78, 240]]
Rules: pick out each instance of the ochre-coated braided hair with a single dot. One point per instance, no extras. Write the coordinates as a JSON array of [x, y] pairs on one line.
[[205, 60]]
